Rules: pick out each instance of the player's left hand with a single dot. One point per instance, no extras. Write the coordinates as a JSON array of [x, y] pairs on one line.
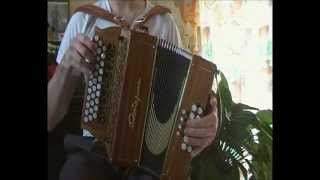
[[201, 132]]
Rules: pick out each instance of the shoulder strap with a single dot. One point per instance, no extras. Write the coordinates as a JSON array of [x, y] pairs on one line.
[[102, 13]]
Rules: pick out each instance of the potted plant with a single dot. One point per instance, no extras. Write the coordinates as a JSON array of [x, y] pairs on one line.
[[243, 147]]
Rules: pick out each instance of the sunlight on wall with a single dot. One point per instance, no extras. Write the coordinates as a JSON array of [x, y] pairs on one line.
[[238, 38]]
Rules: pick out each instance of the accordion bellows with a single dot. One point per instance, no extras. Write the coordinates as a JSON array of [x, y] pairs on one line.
[[139, 97]]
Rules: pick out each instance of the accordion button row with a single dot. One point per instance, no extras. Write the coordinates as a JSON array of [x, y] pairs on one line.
[[186, 147], [93, 93], [94, 84], [195, 113]]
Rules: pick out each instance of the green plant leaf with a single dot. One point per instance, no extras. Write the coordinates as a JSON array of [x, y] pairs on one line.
[[265, 116], [252, 169], [236, 107], [243, 170], [224, 95]]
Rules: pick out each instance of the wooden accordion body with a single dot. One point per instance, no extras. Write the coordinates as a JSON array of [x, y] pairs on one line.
[[138, 99]]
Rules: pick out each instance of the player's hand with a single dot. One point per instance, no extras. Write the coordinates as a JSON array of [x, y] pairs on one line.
[[80, 55], [201, 132]]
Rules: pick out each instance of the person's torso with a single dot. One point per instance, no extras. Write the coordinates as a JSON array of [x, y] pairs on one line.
[[157, 25]]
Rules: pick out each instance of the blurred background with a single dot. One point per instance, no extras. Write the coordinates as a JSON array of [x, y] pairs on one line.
[[234, 34]]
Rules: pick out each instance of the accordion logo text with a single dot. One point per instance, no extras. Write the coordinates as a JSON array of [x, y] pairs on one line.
[[134, 105]]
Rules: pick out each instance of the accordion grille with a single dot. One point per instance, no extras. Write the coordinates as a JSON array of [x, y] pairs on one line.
[[170, 74]]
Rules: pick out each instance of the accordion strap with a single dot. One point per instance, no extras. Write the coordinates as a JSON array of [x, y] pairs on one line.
[[103, 14]]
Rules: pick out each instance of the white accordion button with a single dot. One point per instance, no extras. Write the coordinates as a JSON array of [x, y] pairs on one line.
[[191, 115], [104, 48], [94, 88], [96, 101], [87, 105], [98, 93], [179, 126], [100, 43], [88, 97], [183, 112], [99, 50], [184, 146], [93, 95], [189, 149], [91, 103], [86, 112], [200, 110], [91, 110], [181, 119], [100, 71], [96, 38], [97, 66], [178, 133], [94, 115], [194, 108], [90, 118], [102, 63], [94, 81], [95, 108], [103, 56], [90, 83], [98, 86], [99, 78], [89, 90], [85, 119]]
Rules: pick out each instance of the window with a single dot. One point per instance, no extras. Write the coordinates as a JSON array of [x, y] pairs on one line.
[[238, 38]]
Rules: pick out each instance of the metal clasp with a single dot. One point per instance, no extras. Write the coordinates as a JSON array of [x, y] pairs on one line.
[[140, 20]]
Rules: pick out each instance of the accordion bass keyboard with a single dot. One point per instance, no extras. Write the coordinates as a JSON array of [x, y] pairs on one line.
[[139, 97]]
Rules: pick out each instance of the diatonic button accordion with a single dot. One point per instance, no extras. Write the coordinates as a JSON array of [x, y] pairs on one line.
[[139, 97]]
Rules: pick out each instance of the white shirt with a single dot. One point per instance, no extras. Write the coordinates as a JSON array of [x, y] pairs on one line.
[[162, 26]]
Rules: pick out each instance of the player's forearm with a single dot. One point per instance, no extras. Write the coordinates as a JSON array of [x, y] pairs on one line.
[[60, 90]]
